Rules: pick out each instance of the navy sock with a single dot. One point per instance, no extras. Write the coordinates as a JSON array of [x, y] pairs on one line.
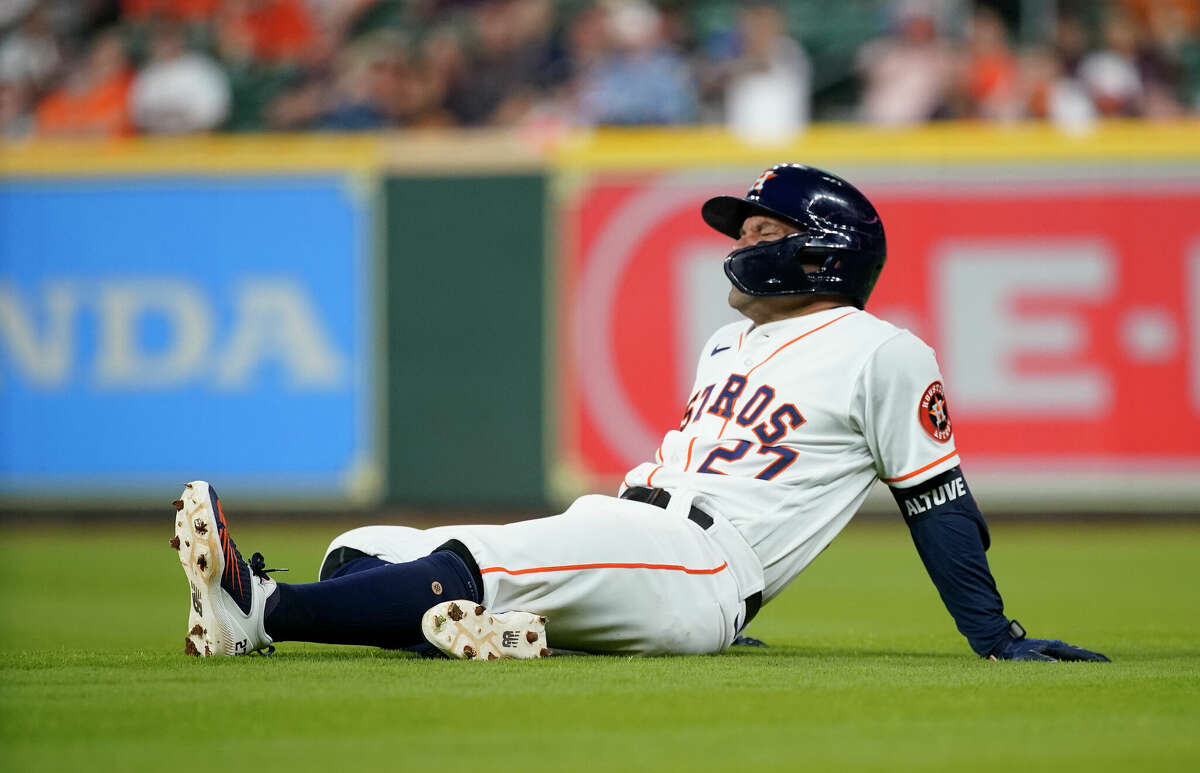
[[379, 607]]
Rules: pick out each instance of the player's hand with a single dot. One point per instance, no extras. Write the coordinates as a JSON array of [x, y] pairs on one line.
[[1020, 648], [748, 641]]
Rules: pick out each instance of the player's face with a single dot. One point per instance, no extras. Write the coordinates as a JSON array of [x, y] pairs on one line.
[[755, 229]]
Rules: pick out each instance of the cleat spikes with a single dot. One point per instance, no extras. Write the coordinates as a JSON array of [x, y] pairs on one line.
[[467, 631], [543, 653], [227, 601], [189, 648]]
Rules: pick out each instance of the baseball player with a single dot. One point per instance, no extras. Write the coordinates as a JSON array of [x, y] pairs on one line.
[[794, 414]]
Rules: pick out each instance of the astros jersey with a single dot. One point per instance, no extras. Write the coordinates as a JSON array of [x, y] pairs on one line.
[[790, 423]]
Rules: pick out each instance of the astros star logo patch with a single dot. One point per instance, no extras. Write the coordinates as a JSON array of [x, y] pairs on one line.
[[762, 178], [934, 414]]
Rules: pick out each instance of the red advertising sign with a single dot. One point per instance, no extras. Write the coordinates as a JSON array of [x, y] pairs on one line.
[[1066, 316]]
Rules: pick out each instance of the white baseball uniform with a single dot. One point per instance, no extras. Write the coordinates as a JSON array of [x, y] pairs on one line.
[[788, 426]]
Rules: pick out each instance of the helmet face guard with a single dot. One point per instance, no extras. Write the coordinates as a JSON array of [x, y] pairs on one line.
[[841, 234], [778, 268]]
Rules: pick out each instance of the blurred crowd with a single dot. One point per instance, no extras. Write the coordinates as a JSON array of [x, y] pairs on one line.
[[120, 67]]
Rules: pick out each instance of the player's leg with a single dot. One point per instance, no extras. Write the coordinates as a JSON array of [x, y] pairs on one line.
[[611, 575], [237, 608], [614, 576], [378, 607], [606, 608]]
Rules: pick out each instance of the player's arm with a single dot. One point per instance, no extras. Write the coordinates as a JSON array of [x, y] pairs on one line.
[[952, 539], [907, 424]]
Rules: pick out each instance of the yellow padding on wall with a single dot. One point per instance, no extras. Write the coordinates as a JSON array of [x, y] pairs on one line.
[[615, 149], [482, 151]]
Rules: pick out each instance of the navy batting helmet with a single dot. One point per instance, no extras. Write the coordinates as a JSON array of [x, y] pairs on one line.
[[840, 232]]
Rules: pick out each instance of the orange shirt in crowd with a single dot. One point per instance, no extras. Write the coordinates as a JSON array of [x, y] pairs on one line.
[[280, 29], [991, 75], [102, 111]]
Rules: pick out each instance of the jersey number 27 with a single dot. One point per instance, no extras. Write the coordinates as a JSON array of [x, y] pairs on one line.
[[735, 453]]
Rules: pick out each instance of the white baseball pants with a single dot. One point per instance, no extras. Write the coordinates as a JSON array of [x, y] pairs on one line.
[[611, 575]]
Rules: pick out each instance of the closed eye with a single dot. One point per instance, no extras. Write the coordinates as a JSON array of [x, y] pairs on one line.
[[769, 233]]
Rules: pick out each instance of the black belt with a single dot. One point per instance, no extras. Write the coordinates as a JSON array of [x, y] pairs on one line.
[[661, 498]]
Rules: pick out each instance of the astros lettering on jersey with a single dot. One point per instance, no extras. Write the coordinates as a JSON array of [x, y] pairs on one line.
[[790, 423]]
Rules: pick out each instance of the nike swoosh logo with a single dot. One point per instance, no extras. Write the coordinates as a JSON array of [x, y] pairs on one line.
[[717, 350]]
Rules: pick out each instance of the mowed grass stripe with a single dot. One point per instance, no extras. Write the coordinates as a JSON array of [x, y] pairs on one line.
[[865, 671]]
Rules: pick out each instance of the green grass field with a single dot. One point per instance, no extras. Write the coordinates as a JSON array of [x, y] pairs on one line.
[[865, 671]]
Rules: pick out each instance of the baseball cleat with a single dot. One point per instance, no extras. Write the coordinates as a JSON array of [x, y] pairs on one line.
[[227, 597], [467, 631]]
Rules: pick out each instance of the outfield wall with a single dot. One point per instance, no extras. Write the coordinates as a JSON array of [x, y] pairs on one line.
[[491, 320], [465, 332]]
